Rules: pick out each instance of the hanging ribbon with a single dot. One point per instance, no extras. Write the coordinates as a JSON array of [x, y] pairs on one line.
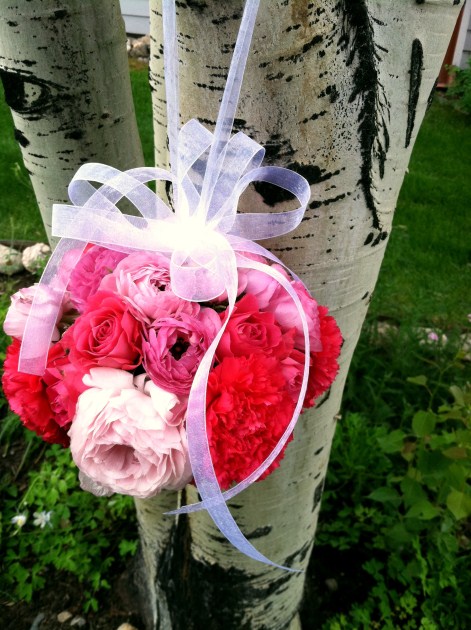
[[204, 236]]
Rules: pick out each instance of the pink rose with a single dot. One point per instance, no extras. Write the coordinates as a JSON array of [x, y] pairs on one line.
[[129, 439], [142, 279], [94, 265], [263, 286], [175, 347], [105, 335], [251, 331], [21, 302], [286, 314]]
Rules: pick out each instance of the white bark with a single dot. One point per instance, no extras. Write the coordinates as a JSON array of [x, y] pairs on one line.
[[336, 90], [64, 68]]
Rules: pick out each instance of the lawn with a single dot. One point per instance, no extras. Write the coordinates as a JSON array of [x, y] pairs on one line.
[[393, 544]]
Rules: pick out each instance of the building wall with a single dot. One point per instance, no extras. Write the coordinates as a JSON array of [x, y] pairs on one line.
[[136, 16]]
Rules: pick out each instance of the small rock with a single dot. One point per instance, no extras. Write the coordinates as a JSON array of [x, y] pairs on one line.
[[141, 47], [10, 260], [126, 626], [64, 616], [129, 43], [332, 584], [34, 257], [78, 621]]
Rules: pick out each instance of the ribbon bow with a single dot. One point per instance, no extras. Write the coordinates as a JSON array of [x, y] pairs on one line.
[[205, 237]]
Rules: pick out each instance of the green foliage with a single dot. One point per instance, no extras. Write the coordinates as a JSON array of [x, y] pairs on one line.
[[400, 491], [460, 89], [66, 529]]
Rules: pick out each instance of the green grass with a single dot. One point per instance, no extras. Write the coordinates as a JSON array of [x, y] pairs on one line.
[[426, 274]]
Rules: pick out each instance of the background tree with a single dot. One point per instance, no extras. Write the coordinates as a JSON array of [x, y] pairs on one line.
[[335, 90]]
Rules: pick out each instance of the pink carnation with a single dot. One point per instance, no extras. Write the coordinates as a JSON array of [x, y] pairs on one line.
[[94, 265], [175, 347], [129, 439]]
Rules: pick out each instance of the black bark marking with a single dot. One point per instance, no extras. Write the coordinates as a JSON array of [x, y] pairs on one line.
[[319, 451], [297, 556], [193, 585], [21, 138], [326, 202], [75, 134], [432, 94], [358, 37], [315, 116], [60, 14], [369, 238], [363, 297], [318, 494], [416, 64], [260, 532], [12, 24], [28, 95]]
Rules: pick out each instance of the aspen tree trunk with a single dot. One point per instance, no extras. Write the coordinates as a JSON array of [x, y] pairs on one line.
[[336, 90], [65, 73]]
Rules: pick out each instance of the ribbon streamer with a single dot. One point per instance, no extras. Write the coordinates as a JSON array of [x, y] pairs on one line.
[[205, 238]]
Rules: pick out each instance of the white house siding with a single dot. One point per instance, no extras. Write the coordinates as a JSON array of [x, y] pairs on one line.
[[463, 42], [136, 16]]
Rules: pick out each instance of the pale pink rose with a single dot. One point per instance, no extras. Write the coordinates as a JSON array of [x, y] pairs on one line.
[[21, 302], [263, 286], [286, 314], [142, 279], [127, 437], [175, 347], [93, 266]]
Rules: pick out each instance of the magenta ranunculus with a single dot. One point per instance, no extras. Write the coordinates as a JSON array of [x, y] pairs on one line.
[[105, 335], [21, 302], [143, 279], [175, 347], [94, 265], [128, 436]]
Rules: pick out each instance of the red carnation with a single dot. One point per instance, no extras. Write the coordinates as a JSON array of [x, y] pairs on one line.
[[27, 396], [324, 365], [248, 409], [64, 384]]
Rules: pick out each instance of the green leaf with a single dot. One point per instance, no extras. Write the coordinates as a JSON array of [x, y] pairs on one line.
[[418, 380], [392, 443], [423, 510], [458, 395], [423, 423], [456, 452], [385, 495], [412, 491], [459, 504]]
